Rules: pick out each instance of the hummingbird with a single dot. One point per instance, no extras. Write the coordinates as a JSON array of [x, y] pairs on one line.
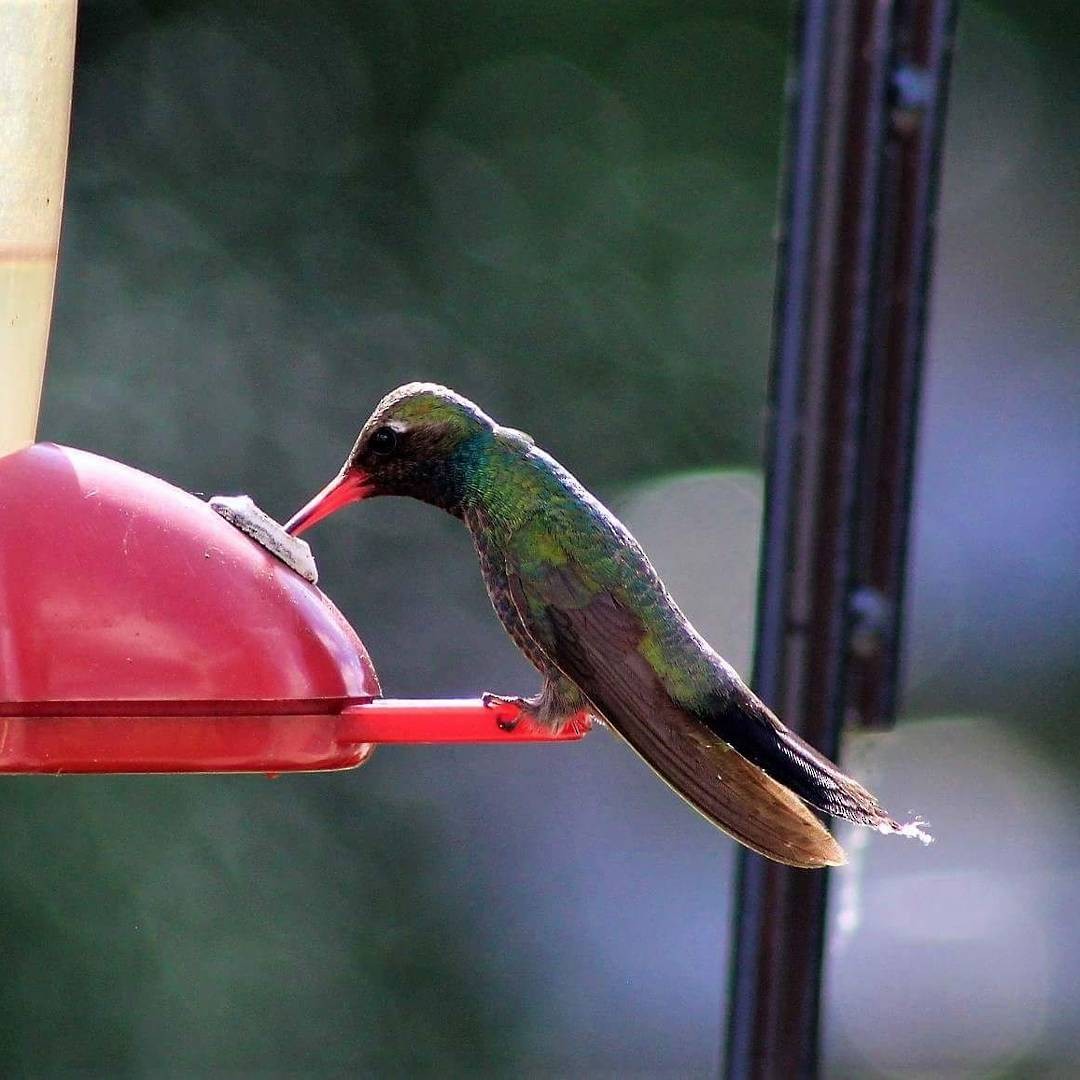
[[579, 597]]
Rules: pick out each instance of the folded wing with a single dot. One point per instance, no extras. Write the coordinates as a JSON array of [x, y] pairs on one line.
[[593, 639]]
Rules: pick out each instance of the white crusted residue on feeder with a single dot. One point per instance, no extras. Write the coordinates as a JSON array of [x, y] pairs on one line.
[[241, 511]]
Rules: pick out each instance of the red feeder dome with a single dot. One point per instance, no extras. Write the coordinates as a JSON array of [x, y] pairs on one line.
[[140, 632]]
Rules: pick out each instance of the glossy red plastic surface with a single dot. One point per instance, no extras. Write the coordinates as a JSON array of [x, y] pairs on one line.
[[116, 586], [140, 632], [177, 744]]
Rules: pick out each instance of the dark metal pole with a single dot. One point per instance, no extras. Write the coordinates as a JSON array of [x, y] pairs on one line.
[[866, 113]]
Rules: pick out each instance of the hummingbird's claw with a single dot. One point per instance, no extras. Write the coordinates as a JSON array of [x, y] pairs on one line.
[[496, 701], [550, 710]]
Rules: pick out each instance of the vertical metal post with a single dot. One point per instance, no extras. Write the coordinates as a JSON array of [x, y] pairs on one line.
[[866, 113]]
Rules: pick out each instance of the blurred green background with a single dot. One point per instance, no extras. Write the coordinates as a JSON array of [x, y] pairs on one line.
[[277, 212]]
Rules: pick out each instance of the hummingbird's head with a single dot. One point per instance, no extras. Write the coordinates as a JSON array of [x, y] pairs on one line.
[[422, 440]]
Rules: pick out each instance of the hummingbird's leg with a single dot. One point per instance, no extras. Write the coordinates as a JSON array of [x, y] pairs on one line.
[[558, 704]]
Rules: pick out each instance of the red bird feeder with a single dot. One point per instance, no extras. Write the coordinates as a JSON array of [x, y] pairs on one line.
[[141, 632]]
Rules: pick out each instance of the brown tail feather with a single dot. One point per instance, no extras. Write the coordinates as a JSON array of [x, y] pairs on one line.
[[741, 719], [730, 791]]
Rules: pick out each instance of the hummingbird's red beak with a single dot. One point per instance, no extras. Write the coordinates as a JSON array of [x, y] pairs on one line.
[[349, 486]]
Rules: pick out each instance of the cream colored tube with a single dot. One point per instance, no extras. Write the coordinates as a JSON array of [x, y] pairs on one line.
[[37, 50]]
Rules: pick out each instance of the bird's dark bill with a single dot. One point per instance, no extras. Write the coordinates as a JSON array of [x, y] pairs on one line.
[[349, 486]]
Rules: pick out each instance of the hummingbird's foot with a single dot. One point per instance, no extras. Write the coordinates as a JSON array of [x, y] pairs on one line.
[[559, 707], [523, 706]]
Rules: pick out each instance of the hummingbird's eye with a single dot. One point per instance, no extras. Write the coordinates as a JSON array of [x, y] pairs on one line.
[[383, 441]]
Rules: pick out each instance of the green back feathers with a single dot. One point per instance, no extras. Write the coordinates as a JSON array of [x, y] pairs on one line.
[[571, 549]]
